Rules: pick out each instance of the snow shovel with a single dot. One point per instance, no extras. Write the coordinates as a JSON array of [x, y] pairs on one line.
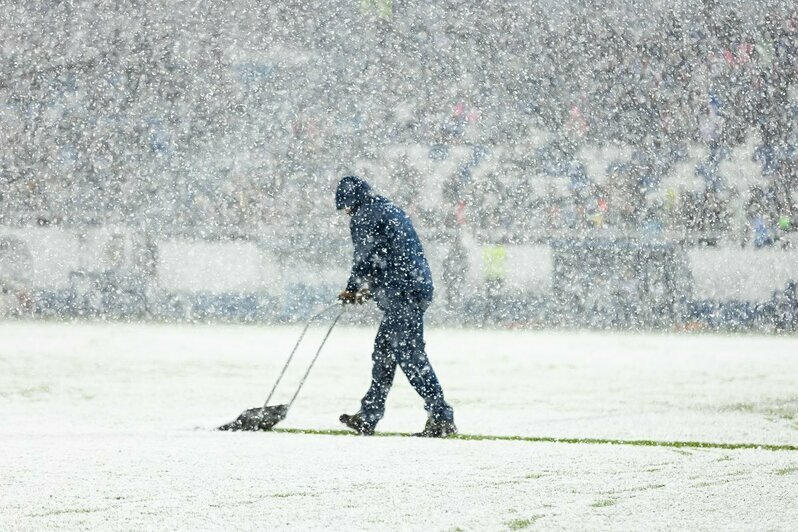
[[267, 416]]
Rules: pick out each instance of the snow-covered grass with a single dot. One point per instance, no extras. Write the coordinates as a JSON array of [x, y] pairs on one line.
[[108, 426]]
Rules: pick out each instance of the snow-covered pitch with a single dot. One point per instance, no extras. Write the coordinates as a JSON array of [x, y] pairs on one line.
[[109, 426]]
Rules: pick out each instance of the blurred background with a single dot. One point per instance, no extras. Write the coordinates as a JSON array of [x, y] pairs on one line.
[[598, 164]]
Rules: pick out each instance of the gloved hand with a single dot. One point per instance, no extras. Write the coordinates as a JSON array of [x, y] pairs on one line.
[[349, 297]]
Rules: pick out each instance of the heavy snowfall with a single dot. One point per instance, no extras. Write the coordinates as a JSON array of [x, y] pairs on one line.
[[606, 192]]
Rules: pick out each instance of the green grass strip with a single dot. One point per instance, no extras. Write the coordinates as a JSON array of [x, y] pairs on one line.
[[544, 439]]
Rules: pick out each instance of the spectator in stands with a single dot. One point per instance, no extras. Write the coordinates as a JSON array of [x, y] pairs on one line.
[[494, 263], [759, 218], [407, 181], [455, 270]]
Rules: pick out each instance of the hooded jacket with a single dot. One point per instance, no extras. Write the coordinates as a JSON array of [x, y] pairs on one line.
[[388, 255]]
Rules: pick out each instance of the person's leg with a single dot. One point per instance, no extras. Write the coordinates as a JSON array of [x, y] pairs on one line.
[[404, 326], [372, 406]]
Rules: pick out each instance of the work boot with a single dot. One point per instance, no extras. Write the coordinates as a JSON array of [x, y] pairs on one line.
[[357, 423], [438, 429]]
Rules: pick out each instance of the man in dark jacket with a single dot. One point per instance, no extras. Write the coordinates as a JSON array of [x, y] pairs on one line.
[[389, 265]]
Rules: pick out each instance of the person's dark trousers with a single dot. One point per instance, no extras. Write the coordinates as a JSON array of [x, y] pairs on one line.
[[400, 340]]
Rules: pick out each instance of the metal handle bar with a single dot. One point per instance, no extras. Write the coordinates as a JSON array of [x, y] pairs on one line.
[[312, 362], [299, 341]]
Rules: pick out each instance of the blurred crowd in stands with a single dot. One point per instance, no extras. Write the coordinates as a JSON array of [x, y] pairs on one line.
[[223, 120]]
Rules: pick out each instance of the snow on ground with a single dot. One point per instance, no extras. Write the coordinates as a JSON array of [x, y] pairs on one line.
[[107, 426]]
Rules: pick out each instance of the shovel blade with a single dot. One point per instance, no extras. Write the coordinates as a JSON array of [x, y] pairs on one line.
[[260, 418]]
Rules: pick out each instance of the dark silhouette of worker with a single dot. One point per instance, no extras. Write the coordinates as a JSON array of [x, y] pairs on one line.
[[389, 265]]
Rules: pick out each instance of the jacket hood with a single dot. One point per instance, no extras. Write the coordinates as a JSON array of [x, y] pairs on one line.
[[352, 192]]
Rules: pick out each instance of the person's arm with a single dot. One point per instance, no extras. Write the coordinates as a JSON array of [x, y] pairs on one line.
[[365, 244], [362, 260]]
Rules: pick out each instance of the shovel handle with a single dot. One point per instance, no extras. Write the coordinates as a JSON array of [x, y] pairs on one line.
[[299, 341], [312, 362]]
